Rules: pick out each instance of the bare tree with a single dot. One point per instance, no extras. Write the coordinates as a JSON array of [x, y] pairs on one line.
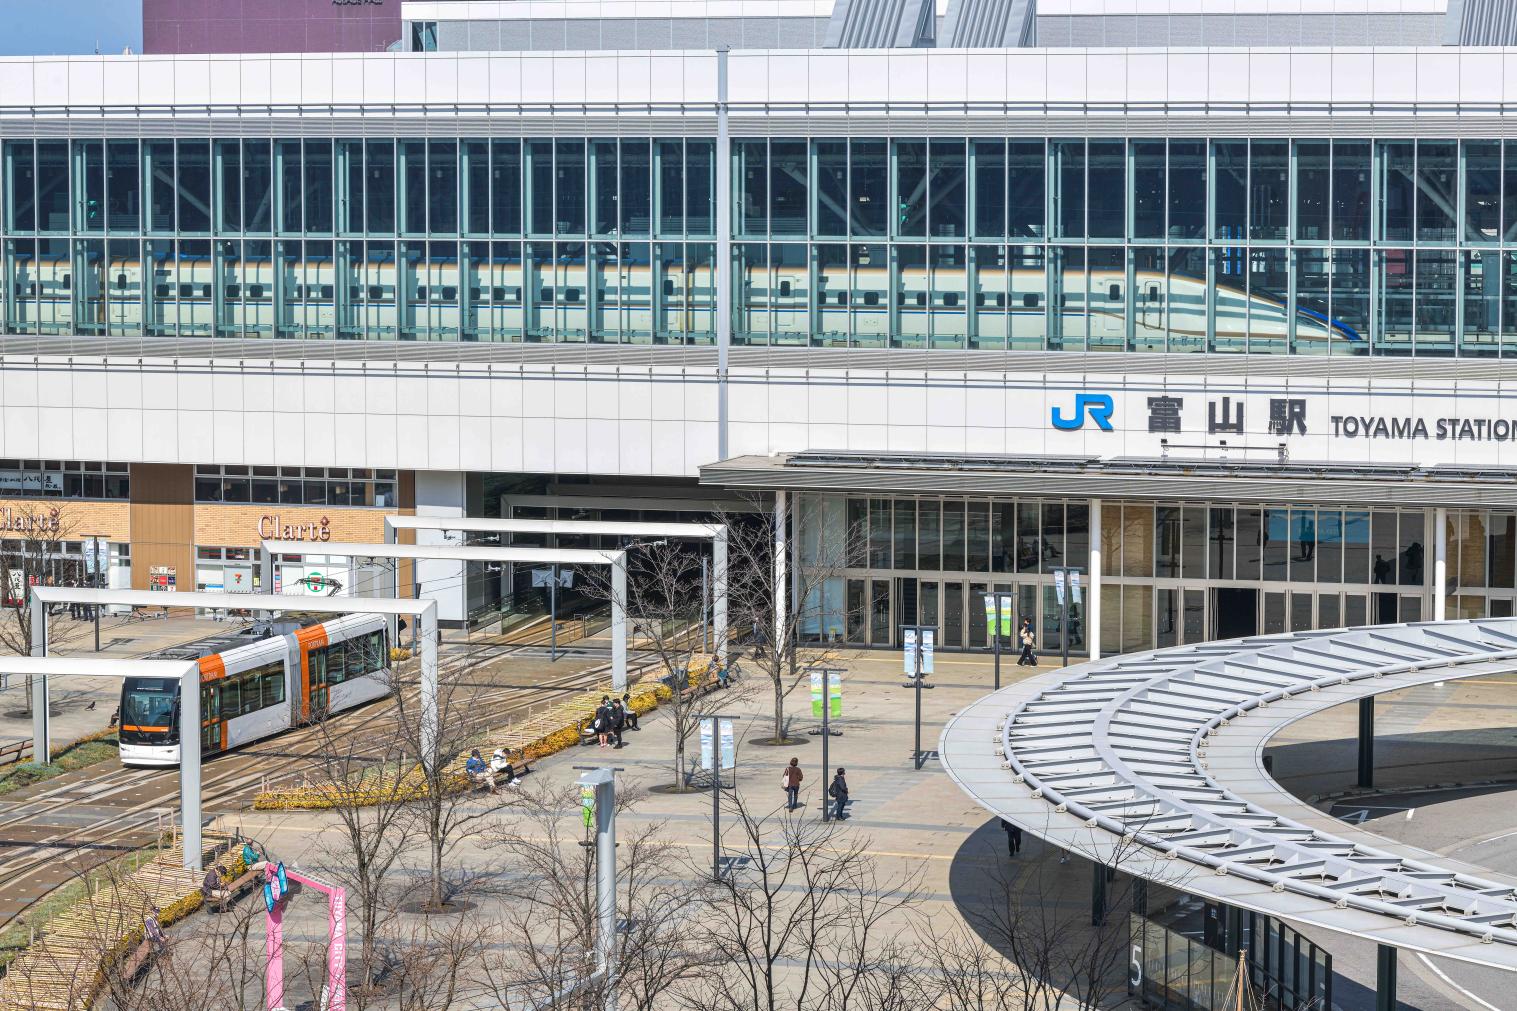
[[366, 779], [804, 922], [662, 601], [787, 591], [548, 893], [445, 809], [31, 554]]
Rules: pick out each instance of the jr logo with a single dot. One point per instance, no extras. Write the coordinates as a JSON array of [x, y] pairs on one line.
[[1097, 405]]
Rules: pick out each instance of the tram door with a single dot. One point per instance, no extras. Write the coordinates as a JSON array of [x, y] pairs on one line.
[[210, 720], [319, 682]]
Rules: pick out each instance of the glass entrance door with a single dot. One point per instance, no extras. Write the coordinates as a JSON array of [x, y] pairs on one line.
[[953, 615], [210, 720], [318, 662]]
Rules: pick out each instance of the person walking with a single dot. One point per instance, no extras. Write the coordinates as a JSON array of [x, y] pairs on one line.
[[603, 720], [791, 780], [1013, 838], [838, 791], [630, 712], [1028, 641], [618, 721]]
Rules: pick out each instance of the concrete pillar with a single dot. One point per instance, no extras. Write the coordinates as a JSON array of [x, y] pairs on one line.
[[719, 593], [189, 764], [41, 743], [723, 198], [603, 783], [1093, 584], [1440, 563], [1367, 743], [619, 621], [781, 561], [442, 493], [1385, 975]]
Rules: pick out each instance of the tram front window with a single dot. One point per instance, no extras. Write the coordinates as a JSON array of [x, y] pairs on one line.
[[147, 709]]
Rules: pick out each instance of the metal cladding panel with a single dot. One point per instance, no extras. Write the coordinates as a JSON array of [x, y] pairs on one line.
[[1485, 22], [989, 24]]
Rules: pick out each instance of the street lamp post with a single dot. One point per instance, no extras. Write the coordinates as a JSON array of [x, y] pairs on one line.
[[96, 560], [918, 640], [716, 761], [1066, 581], [827, 732]]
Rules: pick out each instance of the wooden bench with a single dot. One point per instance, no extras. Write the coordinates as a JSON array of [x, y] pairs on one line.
[[14, 752], [237, 887]]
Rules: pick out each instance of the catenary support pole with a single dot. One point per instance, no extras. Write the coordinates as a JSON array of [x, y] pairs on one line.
[[826, 736], [719, 595], [1097, 894], [189, 764], [1367, 743], [41, 750], [619, 623], [101, 552], [1093, 584], [1385, 975], [1440, 563], [604, 783], [705, 602]]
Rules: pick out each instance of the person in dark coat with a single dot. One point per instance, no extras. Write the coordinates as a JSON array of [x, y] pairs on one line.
[[603, 720], [618, 721], [1013, 838], [791, 781], [838, 791]]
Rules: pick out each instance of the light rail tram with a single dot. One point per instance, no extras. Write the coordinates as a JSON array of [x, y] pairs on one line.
[[260, 689]]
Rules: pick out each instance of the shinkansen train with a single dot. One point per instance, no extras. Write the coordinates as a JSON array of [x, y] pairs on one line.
[[566, 297], [255, 691]]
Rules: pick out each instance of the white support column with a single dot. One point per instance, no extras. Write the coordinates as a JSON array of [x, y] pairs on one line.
[[1440, 563], [719, 594], [189, 764], [41, 743], [1093, 584], [427, 647], [442, 493], [603, 782], [619, 622], [781, 580], [723, 252]]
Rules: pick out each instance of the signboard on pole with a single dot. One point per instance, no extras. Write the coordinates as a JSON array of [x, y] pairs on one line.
[[94, 555], [587, 804], [834, 689], [909, 639], [1074, 587], [728, 743], [1058, 585], [990, 614], [1008, 616], [544, 577]]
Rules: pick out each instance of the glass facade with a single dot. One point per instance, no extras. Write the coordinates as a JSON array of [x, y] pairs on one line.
[[1353, 246], [337, 486], [1171, 574]]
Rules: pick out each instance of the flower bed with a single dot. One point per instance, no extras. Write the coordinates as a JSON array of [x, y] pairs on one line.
[[413, 785]]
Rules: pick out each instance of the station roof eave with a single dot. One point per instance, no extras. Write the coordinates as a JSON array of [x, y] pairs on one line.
[[1182, 480], [490, 524], [1153, 763]]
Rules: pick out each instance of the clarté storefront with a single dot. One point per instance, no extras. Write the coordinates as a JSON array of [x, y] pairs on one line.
[[171, 528]]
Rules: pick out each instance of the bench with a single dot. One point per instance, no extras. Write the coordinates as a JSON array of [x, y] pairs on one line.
[[13, 752], [236, 888]]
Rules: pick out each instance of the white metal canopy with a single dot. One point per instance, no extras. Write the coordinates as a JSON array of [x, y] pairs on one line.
[[615, 559], [716, 533], [423, 611], [1132, 761]]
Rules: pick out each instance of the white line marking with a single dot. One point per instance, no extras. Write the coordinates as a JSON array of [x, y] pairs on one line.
[[1444, 976], [1409, 812]]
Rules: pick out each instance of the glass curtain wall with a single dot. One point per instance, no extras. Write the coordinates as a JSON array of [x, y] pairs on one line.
[[1278, 246]]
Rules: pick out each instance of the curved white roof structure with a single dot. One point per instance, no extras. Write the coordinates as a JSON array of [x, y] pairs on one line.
[[1153, 762]]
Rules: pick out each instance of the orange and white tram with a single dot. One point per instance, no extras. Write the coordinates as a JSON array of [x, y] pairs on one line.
[[264, 688]]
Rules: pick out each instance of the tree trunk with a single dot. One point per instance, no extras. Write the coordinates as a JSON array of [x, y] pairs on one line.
[[779, 707], [437, 847]]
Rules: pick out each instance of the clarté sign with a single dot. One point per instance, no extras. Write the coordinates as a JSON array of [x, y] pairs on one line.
[[271, 528]]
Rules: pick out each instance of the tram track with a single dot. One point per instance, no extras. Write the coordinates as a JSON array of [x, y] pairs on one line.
[[42, 845]]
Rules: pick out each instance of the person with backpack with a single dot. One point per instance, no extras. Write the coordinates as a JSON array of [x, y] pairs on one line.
[[838, 791], [791, 781], [1028, 641]]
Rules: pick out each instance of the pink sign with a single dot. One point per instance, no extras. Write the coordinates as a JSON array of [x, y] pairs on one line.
[[335, 997]]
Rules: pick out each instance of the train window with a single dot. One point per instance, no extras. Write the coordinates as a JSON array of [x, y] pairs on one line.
[[67, 282], [205, 291], [871, 298], [161, 290], [255, 291], [231, 701], [234, 291], [1153, 293], [951, 299], [571, 295], [475, 293], [376, 293], [273, 688], [668, 286], [421, 293], [300, 293], [121, 280], [921, 298], [359, 662], [1000, 300], [449, 293], [336, 656], [785, 288], [546, 296], [1029, 301], [326, 291], [497, 294]]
